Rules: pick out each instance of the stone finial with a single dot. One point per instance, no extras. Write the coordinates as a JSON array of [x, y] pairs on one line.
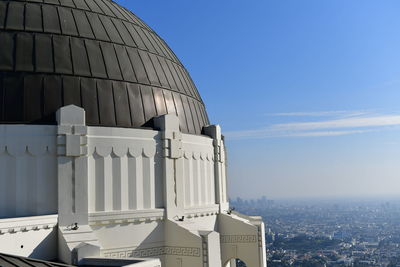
[[72, 131], [171, 135], [71, 115]]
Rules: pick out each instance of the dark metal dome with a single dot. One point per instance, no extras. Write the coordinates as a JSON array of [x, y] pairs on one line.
[[94, 54]]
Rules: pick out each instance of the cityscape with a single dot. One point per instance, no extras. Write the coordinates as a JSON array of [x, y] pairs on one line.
[[328, 232]]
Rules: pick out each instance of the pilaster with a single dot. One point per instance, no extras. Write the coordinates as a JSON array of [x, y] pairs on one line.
[[214, 131], [73, 217], [171, 138]]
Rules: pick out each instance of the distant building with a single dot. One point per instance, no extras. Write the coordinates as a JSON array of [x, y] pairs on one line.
[[107, 157]]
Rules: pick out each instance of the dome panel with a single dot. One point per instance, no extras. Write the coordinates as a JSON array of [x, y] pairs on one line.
[[94, 54]]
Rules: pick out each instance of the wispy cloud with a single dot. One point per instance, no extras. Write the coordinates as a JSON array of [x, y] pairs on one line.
[[352, 122], [358, 123], [341, 113]]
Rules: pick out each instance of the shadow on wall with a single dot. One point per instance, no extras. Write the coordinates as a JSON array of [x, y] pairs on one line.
[[235, 263], [47, 249]]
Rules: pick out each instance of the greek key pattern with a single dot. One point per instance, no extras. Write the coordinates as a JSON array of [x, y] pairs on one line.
[[238, 238], [153, 252]]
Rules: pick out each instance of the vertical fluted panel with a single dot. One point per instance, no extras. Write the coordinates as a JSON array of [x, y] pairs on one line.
[[196, 182], [116, 182], [8, 185], [133, 183], [206, 181], [22, 192], [28, 171], [211, 176], [159, 183], [99, 183], [124, 185], [148, 183], [92, 183], [188, 180]]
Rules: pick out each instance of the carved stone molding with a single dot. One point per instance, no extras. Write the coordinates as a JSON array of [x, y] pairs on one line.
[[128, 217], [153, 252], [239, 239], [12, 226]]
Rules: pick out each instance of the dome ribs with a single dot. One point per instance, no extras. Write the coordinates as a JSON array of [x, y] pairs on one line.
[[180, 112], [121, 104], [111, 61], [67, 21], [90, 101], [94, 54], [80, 60], [148, 102], [33, 17], [125, 64], [72, 91], [52, 88], [3, 13], [148, 65], [169, 102], [24, 52], [15, 16], [159, 70], [106, 103], [82, 23], [96, 61], [51, 21], [159, 101], [136, 105], [33, 98], [44, 61], [7, 51]]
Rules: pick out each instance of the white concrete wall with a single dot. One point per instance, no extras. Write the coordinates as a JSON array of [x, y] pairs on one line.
[[28, 170], [34, 237], [198, 170], [124, 170]]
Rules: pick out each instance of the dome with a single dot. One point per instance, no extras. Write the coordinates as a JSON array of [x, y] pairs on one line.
[[94, 54]]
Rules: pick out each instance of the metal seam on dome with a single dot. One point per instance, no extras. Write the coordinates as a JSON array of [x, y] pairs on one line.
[[52, 35], [173, 58], [94, 39], [96, 78], [85, 11], [159, 68], [90, 10]]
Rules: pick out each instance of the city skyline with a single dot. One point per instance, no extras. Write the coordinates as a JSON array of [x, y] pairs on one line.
[[306, 92]]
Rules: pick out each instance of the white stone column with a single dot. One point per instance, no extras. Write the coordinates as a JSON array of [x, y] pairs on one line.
[[76, 239], [171, 140], [72, 166], [214, 131]]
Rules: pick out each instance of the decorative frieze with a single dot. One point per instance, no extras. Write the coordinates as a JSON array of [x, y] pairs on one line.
[[127, 217], [239, 239], [12, 226], [153, 252]]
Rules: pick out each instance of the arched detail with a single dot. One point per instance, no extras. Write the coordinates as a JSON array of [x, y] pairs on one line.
[[16, 150], [120, 150], [37, 149], [196, 155], [149, 151], [135, 152], [188, 154], [103, 151]]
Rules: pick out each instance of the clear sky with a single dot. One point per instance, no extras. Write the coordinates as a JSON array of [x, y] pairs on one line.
[[307, 91]]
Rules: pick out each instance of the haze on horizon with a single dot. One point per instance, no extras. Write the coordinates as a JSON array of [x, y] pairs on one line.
[[307, 92]]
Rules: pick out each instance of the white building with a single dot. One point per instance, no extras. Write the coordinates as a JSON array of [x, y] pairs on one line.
[[107, 157]]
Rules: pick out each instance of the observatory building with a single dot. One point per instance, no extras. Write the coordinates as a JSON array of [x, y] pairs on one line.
[[107, 156]]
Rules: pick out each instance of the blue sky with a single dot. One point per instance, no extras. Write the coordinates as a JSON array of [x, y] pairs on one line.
[[307, 92]]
